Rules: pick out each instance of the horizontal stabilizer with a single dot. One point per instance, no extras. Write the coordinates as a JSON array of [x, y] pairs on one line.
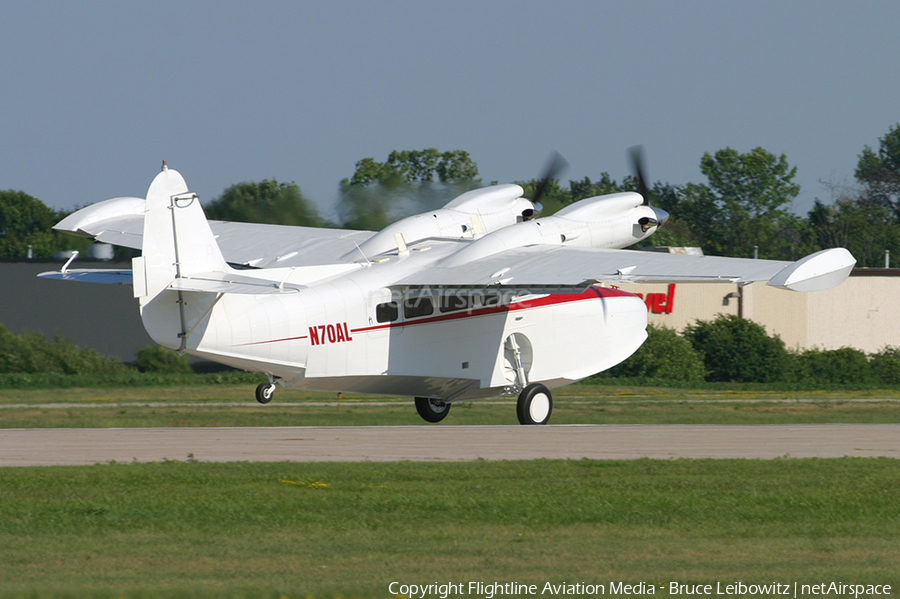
[[120, 222], [109, 277], [229, 283]]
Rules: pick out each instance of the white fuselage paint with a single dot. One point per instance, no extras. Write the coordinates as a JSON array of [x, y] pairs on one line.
[[328, 329], [327, 336]]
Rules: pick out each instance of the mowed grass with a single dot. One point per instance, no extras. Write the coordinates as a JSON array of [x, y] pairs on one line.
[[188, 529], [233, 405]]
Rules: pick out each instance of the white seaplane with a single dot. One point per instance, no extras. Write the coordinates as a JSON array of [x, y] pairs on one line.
[[478, 299]]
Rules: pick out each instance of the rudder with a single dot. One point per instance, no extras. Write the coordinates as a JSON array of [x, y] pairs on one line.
[[177, 241]]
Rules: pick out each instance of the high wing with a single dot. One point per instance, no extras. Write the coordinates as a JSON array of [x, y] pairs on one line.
[[482, 239], [543, 269], [120, 221]]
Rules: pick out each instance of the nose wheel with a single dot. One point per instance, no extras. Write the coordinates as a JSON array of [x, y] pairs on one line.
[[535, 404]]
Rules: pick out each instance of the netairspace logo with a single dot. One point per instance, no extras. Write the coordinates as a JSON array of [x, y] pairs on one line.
[[492, 590]]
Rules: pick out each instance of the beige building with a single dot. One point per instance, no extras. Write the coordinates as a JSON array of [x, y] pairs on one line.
[[863, 312]]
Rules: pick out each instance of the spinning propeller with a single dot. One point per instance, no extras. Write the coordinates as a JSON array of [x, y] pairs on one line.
[[555, 166], [637, 165]]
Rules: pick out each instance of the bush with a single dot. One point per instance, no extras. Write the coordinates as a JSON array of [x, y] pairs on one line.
[[30, 352], [664, 355], [886, 366], [738, 350], [844, 366], [156, 358]]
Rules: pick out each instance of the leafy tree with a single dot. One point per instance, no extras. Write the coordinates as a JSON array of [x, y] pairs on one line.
[[738, 350], [24, 221], [879, 172], [266, 202], [744, 204], [409, 182], [369, 172], [412, 166], [852, 221], [367, 208], [456, 166], [864, 219], [579, 190]]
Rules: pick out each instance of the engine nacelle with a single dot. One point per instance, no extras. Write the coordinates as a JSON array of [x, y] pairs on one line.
[[610, 221], [468, 216]]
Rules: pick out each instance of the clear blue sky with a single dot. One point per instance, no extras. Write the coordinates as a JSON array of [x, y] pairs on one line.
[[95, 94]]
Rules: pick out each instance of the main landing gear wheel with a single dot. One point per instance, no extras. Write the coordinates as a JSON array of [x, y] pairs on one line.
[[432, 410], [264, 392], [535, 404]]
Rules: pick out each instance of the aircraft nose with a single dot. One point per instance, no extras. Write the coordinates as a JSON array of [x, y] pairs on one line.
[[661, 215]]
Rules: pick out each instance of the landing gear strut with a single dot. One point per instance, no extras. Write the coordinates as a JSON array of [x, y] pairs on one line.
[[535, 404], [264, 392], [432, 410]]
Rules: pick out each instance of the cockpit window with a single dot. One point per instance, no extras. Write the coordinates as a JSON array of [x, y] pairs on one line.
[[387, 312]]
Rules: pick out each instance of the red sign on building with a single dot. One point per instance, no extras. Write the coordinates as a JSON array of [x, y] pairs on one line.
[[660, 303]]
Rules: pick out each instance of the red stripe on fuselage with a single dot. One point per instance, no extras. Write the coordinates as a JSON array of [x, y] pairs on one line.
[[539, 302], [271, 341]]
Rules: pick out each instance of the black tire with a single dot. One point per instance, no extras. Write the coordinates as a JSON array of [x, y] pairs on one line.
[[432, 410], [535, 404], [264, 392]]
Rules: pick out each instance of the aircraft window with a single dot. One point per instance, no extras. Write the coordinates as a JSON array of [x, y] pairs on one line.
[[388, 312], [417, 306], [452, 303]]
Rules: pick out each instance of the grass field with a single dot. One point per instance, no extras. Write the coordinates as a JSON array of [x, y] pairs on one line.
[[233, 405], [189, 529], [289, 529]]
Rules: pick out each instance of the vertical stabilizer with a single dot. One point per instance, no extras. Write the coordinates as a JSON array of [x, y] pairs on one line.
[[177, 240]]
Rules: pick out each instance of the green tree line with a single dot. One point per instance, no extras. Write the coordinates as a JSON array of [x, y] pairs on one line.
[[26, 223], [727, 349], [743, 207]]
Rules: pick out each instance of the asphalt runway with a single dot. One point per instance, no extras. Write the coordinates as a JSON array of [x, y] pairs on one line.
[[45, 447]]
